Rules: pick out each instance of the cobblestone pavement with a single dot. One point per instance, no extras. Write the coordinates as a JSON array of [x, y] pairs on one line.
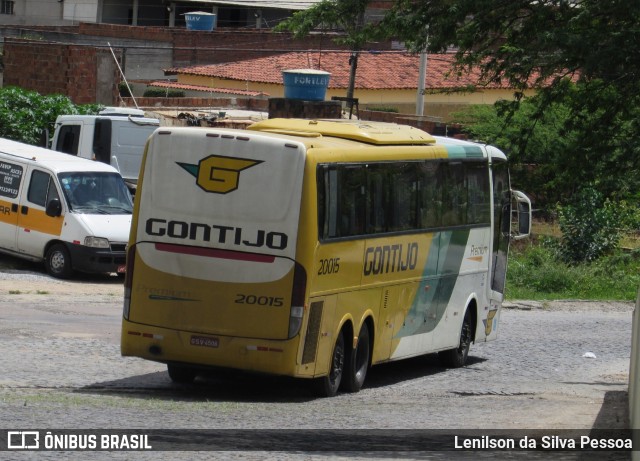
[[559, 365]]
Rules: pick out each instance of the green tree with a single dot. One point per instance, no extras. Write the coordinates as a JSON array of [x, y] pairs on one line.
[[582, 55], [24, 114], [534, 166]]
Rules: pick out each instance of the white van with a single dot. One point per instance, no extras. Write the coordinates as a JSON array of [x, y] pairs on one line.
[[116, 136], [71, 213]]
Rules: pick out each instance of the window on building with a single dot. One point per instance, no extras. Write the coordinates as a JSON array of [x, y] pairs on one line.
[[6, 6]]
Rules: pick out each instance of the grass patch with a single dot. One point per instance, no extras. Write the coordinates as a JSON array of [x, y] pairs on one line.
[[536, 273], [15, 292]]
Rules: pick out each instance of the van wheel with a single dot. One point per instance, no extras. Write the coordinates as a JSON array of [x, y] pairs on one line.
[[327, 386], [456, 358], [57, 261], [357, 362]]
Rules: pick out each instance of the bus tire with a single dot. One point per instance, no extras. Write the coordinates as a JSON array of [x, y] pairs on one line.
[[181, 374], [57, 261], [328, 385], [357, 363], [456, 358]]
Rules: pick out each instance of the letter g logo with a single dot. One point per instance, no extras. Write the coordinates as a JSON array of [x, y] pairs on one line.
[[219, 174]]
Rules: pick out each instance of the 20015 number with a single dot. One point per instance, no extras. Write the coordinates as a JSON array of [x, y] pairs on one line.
[[259, 300], [329, 266]]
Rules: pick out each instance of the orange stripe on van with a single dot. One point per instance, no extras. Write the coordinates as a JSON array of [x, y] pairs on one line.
[[37, 220]]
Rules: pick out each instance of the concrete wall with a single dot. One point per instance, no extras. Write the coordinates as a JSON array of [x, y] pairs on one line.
[[259, 105]]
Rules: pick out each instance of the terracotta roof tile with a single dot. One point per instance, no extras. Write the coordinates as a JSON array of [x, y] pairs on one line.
[[376, 70]]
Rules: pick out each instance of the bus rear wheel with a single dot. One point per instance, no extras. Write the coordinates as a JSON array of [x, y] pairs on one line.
[[181, 374], [456, 358], [328, 385], [357, 362]]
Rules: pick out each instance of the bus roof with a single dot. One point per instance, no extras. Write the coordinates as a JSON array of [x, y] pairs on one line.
[[373, 133], [378, 133], [55, 161]]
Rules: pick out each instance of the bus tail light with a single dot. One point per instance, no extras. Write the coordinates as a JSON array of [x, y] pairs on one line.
[[128, 281], [298, 293]]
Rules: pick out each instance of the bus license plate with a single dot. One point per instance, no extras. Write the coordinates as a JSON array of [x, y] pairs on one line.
[[204, 341]]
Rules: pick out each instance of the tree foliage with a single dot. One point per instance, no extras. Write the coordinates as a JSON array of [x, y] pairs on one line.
[[581, 56], [24, 114], [345, 15], [534, 167]]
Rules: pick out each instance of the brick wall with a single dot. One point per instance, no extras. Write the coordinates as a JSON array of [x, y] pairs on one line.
[[163, 34], [220, 45], [47, 77], [225, 45], [295, 108], [61, 69]]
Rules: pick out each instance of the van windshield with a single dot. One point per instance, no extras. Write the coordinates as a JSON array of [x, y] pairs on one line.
[[96, 193]]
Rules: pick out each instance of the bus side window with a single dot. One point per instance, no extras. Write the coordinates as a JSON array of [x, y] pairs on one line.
[[479, 209], [430, 195], [403, 197], [454, 195], [351, 204], [376, 200]]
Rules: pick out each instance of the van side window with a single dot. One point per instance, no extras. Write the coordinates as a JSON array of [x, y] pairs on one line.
[[10, 177], [68, 139], [41, 188]]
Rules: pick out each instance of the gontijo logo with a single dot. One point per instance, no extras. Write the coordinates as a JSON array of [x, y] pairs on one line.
[[218, 174]]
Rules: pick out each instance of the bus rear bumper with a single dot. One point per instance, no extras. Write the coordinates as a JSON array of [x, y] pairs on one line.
[[204, 350]]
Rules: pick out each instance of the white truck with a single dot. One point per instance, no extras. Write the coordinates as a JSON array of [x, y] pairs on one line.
[[116, 136]]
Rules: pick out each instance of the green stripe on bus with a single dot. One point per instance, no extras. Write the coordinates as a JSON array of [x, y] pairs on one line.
[[434, 293]]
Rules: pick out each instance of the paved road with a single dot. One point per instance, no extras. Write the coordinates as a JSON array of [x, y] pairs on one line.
[[59, 346]]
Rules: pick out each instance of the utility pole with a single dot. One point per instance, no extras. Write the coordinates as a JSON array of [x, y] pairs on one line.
[[353, 64], [422, 74]]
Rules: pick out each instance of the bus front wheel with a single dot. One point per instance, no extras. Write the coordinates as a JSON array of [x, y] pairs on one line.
[[456, 358], [328, 385], [357, 362]]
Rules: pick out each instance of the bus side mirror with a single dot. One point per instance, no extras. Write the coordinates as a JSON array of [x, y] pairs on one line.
[[54, 208], [523, 207]]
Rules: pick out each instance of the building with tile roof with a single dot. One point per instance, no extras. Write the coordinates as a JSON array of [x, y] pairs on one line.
[[383, 79]]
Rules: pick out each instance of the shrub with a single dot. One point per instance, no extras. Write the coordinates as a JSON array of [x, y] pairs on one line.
[[591, 227], [25, 114], [160, 93], [536, 273], [383, 109], [123, 89]]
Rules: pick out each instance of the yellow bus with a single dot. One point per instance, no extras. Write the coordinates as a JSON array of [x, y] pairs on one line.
[[316, 249]]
